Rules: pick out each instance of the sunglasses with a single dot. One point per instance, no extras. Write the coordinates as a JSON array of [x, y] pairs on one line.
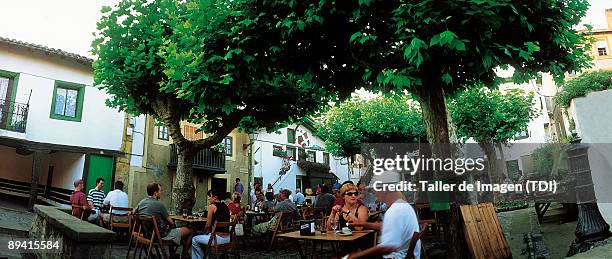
[[351, 193]]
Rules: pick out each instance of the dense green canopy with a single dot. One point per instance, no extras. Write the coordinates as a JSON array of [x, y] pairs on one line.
[[382, 119], [491, 115], [583, 85]]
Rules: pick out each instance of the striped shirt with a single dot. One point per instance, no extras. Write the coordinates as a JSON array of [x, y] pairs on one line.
[[96, 197]]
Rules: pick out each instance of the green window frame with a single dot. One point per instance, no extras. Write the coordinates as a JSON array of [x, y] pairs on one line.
[[80, 88], [14, 79], [291, 136]]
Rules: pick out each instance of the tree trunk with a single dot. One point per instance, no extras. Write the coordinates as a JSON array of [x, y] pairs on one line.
[[502, 161], [433, 106], [489, 151], [431, 99], [183, 192]]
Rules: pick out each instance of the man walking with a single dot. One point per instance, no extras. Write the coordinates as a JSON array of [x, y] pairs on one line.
[[238, 186]]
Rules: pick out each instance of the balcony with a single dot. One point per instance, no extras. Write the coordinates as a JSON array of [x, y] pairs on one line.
[[207, 159], [13, 116]]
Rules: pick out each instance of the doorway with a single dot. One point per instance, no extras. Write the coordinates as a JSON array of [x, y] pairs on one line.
[[100, 167]]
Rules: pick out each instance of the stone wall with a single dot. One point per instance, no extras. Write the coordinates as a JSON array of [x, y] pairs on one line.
[[78, 238]]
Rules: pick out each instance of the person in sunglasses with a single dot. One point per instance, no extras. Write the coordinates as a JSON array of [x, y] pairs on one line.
[[351, 211]]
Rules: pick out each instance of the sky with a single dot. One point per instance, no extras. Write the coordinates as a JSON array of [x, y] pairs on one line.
[[69, 24]]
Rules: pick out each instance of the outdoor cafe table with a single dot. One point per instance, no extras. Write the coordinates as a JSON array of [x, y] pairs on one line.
[[191, 222], [329, 236]]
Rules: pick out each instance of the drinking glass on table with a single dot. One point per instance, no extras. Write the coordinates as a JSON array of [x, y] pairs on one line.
[[334, 224]]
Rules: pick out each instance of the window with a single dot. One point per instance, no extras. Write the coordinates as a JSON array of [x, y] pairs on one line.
[[162, 133], [229, 145], [312, 156], [67, 103], [326, 158], [521, 135], [301, 154], [278, 151], [192, 133], [291, 136], [602, 47], [291, 151], [298, 181], [9, 118]]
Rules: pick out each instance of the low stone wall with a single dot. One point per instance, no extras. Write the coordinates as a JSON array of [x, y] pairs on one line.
[[77, 238]]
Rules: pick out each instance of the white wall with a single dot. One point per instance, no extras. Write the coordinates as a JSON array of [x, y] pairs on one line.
[[268, 166], [138, 140], [594, 126], [67, 167], [100, 127]]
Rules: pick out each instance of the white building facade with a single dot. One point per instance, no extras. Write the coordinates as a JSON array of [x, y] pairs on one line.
[[301, 154], [54, 125]]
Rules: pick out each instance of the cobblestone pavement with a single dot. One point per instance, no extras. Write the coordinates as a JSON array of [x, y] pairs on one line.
[[14, 216], [284, 250]]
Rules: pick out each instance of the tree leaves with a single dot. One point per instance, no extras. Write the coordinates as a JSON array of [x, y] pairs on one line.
[[491, 115], [390, 119]]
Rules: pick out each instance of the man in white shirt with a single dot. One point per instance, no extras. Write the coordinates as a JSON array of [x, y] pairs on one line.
[[116, 198], [398, 227]]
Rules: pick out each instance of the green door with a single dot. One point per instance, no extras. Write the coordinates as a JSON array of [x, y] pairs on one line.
[[100, 166]]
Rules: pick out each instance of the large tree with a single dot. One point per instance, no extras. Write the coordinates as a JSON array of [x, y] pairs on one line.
[[436, 47], [348, 125], [221, 64], [491, 117]]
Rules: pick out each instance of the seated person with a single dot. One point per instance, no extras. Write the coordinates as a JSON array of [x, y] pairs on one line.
[[351, 211], [397, 229], [217, 211], [116, 198], [234, 207], [95, 197], [285, 207], [325, 200], [269, 204], [151, 206], [78, 200]]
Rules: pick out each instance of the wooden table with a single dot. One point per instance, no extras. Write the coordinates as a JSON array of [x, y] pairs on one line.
[[195, 219], [330, 236], [191, 222]]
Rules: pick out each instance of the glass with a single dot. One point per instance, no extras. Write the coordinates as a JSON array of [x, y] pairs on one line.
[[334, 224], [60, 101]]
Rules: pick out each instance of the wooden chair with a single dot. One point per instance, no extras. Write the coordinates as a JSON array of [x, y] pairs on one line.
[[215, 248], [283, 225], [119, 225], [135, 232], [413, 242], [151, 238]]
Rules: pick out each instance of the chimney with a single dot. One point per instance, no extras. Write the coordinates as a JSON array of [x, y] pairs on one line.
[[609, 17]]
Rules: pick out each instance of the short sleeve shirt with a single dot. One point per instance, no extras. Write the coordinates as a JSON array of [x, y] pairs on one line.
[[96, 197], [77, 198], [398, 227], [117, 198], [150, 206]]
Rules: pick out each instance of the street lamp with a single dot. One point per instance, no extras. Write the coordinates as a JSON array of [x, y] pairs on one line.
[[591, 226], [252, 138]]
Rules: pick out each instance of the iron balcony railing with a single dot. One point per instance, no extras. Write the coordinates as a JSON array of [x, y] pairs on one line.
[[13, 116], [206, 159]]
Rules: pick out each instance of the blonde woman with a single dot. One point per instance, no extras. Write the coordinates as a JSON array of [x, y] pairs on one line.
[[351, 211]]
